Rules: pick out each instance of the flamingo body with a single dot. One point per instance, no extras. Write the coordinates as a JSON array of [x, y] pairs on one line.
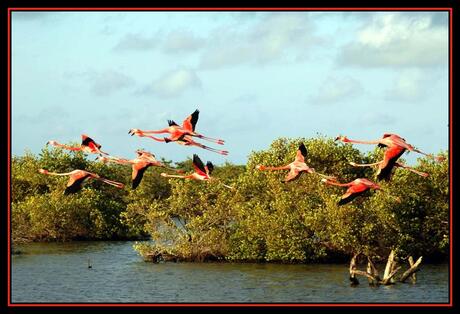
[[356, 188], [296, 168]]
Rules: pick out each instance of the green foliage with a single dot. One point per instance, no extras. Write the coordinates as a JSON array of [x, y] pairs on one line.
[[261, 219]]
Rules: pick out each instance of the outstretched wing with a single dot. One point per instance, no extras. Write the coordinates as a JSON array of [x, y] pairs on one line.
[[292, 175], [75, 183], [190, 122], [88, 141], [209, 167], [172, 123], [301, 153], [198, 165], [138, 173]]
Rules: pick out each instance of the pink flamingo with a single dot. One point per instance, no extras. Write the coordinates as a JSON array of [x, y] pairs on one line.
[[77, 177], [143, 160], [182, 135], [396, 146], [297, 167], [201, 173], [88, 145], [355, 188]]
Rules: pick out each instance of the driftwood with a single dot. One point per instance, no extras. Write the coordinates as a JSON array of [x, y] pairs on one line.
[[411, 271], [353, 279], [391, 269]]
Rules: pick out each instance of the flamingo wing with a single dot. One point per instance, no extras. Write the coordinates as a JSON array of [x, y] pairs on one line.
[[292, 175], [198, 165], [190, 122], [348, 197], [301, 153], [88, 141], [138, 173], [172, 123], [209, 168], [389, 161], [75, 182]]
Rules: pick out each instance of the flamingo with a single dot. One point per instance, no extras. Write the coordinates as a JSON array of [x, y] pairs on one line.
[[396, 146], [297, 167], [88, 145], [355, 188], [143, 160], [77, 177], [182, 135], [202, 172]]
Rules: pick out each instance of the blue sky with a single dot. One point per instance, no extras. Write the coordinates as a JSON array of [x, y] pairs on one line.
[[254, 76]]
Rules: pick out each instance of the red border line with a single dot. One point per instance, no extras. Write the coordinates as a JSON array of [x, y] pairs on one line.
[[230, 9], [450, 304], [233, 304], [9, 159], [451, 296]]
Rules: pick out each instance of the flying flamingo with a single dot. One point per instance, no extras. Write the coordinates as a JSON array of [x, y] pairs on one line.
[[396, 146], [297, 167], [77, 177], [355, 188], [202, 172], [182, 135], [139, 165], [88, 145]]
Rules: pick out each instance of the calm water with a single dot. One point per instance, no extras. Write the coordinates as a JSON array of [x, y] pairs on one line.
[[58, 273]]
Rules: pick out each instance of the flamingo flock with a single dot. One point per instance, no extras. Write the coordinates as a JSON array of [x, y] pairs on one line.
[[393, 144]]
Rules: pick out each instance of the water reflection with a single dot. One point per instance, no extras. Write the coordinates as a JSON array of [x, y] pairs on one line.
[[58, 272]]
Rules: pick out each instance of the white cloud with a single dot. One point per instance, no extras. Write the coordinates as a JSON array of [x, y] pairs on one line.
[[102, 83], [337, 89], [410, 86], [173, 83], [398, 39], [175, 41], [135, 42], [274, 37], [181, 41]]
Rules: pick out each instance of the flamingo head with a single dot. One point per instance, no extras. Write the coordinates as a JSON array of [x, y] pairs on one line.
[[342, 138], [134, 132], [163, 174], [43, 171], [102, 159], [260, 167], [51, 143], [439, 158]]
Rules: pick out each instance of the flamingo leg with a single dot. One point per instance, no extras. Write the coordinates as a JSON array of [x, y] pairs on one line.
[[114, 183], [214, 140], [175, 176], [222, 152], [365, 165], [420, 173], [438, 159]]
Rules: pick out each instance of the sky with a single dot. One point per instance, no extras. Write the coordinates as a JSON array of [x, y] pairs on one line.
[[254, 76]]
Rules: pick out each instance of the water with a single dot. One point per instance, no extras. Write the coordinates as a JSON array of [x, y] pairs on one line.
[[59, 273]]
